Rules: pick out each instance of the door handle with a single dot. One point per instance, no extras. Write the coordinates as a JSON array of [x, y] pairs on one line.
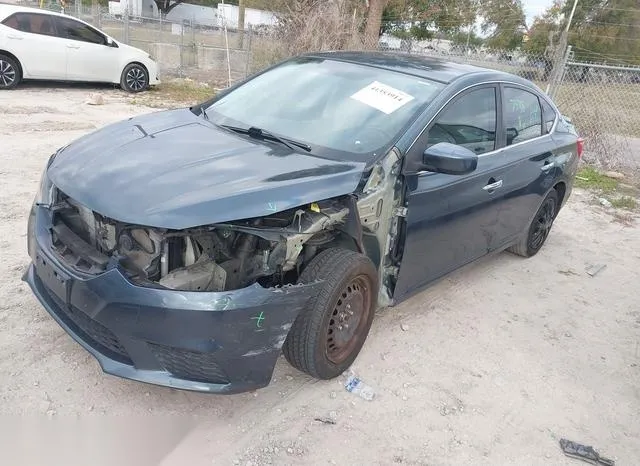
[[73, 46], [548, 166], [493, 186], [15, 37]]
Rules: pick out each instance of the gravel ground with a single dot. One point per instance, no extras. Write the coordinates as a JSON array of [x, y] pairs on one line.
[[492, 365]]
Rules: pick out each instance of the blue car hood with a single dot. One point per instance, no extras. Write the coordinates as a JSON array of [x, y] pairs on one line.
[[174, 170]]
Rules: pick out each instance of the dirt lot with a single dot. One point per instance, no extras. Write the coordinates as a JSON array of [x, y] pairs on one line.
[[490, 366]]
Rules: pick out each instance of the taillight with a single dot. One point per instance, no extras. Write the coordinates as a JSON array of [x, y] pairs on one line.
[[580, 145]]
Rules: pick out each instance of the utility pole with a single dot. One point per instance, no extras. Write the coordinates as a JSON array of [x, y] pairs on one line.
[[562, 50]]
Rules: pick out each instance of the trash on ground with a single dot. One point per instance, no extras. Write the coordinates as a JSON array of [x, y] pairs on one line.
[[593, 270], [604, 202], [584, 452], [404, 327], [325, 420], [614, 175], [567, 272], [357, 386], [95, 99], [582, 178]]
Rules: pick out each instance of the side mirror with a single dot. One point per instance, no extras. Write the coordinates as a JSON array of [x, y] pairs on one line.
[[450, 159], [512, 133], [111, 42]]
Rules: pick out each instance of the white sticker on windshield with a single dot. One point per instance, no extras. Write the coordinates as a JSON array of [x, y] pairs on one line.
[[382, 97]]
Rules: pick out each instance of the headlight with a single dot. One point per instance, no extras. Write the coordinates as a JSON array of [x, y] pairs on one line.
[[44, 195]]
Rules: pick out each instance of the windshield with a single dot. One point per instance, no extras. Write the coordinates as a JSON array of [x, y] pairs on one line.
[[342, 110]]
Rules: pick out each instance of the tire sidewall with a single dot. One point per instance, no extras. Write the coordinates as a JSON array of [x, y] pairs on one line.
[[553, 195], [123, 78], [325, 367]]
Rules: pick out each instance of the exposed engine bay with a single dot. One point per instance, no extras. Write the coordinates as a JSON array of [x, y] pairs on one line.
[[270, 250]]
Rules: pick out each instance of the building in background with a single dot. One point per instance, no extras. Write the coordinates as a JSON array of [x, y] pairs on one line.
[[207, 16]]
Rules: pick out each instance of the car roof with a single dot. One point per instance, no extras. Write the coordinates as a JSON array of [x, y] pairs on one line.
[[426, 67]]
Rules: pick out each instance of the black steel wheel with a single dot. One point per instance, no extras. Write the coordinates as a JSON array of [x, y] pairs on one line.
[[326, 337], [10, 72], [135, 78], [540, 227]]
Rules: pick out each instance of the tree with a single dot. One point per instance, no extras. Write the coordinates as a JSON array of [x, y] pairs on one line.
[[374, 21], [505, 23], [420, 19], [165, 6], [605, 30]]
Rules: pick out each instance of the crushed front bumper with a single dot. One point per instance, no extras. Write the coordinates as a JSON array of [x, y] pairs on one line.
[[226, 342]]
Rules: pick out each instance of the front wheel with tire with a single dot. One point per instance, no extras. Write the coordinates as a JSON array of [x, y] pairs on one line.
[[135, 78], [10, 74], [539, 229], [326, 337]]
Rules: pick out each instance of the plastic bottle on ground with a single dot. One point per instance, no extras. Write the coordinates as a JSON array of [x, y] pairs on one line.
[[354, 385]]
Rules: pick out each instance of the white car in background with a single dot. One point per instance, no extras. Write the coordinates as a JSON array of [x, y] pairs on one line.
[[42, 45]]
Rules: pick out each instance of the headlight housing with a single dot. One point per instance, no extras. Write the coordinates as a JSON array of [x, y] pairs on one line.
[[44, 195]]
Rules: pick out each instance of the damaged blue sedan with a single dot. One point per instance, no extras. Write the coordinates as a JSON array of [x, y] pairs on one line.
[[189, 248]]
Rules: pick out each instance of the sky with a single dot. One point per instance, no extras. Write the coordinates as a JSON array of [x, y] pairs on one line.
[[533, 8]]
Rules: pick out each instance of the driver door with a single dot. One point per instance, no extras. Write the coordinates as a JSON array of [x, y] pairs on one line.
[[453, 219]]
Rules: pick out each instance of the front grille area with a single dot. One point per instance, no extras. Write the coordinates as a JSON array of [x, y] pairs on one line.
[[91, 331], [189, 365], [74, 236]]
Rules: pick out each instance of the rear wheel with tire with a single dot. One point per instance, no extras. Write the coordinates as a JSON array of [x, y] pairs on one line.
[[10, 72], [539, 229], [326, 337], [135, 78]]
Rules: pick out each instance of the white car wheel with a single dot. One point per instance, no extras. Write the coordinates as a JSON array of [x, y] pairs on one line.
[[10, 74], [135, 78]]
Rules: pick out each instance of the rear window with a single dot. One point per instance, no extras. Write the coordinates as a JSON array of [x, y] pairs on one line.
[[33, 23], [548, 115]]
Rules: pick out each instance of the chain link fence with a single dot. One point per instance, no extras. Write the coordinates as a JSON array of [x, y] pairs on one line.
[[604, 104], [602, 100]]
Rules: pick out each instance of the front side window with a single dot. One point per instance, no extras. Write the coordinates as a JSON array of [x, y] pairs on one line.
[[341, 110], [32, 23], [470, 121], [522, 115], [75, 30]]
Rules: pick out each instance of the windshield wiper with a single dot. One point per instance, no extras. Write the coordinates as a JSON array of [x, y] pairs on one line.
[[259, 133]]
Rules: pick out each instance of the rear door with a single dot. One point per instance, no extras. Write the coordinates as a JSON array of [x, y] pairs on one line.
[[89, 58], [452, 220], [31, 37], [530, 159]]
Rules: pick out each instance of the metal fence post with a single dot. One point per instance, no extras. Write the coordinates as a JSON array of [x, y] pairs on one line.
[[125, 16], [559, 73], [247, 53]]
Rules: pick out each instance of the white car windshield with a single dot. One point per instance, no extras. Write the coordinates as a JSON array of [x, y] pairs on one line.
[[341, 110]]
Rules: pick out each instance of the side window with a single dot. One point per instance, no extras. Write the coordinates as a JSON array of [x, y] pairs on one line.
[[522, 115], [548, 115], [470, 121], [32, 23], [75, 30], [12, 22]]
